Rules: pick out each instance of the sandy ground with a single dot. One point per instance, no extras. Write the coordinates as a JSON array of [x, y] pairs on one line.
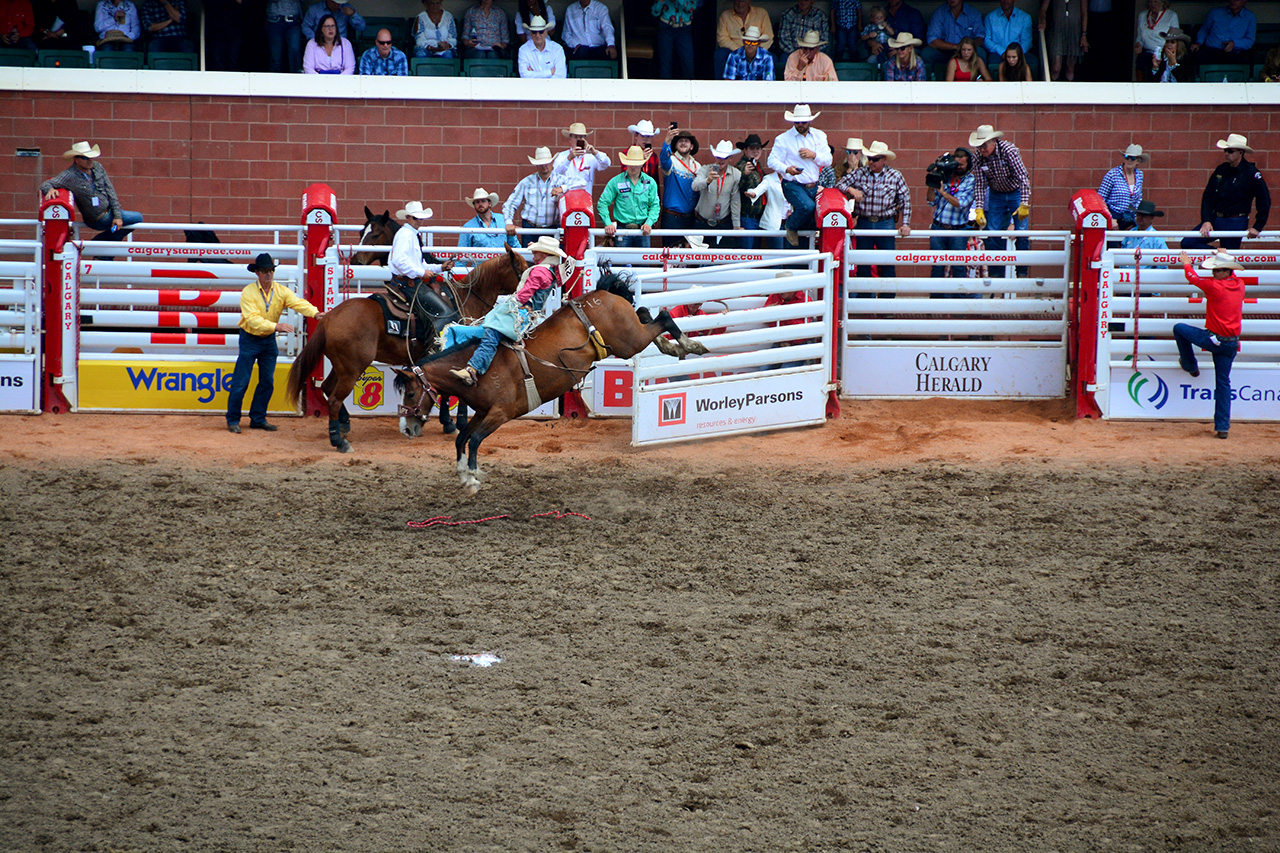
[[927, 626]]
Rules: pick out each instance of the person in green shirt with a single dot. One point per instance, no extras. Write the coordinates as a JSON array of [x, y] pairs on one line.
[[630, 200]]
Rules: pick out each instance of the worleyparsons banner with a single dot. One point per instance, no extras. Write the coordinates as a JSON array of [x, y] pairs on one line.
[[1169, 393], [668, 412], [172, 386]]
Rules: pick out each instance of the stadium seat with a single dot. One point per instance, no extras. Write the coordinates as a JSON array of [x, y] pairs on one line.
[[167, 61], [486, 68], [118, 59], [426, 66], [1224, 73], [17, 57], [64, 59], [857, 71], [603, 68]]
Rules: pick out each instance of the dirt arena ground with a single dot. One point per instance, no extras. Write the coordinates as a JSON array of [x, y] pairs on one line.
[[928, 626]]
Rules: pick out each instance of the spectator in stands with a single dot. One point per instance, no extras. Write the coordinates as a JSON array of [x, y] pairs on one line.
[[588, 32], [798, 155], [1171, 64], [384, 59], [483, 202], [527, 10], [224, 34], [630, 200], [580, 162], [1271, 66], [903, 63], [284, 36], [732, 28], [749, 209], [749, 62], [1153, 22], [882, 202], [1013, 67], [347, 18], [541, 58], [797, 21], [1067, 26], [952, 21], [679, 168], [164, 22], [951, 203], [1224, 295], [1145, 221], [1002, 27], [854, 159], [60, 25], [674, 43], [328, 52], [808, 62], [642, 134], [93, 193], [846, 26], [719, 204], [966, 66], [534, 201], [1121, 187], [875, 36], [17, 24], [1234, 187], [435, 32], [1226, 36], [1002, 187], [902, 18], [486, 32], [117, 25]]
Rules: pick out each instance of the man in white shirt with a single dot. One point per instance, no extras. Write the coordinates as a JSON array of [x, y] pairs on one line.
[[540, 57], [578, 165], [588, 32], [407, 264], [797, 156], [533, 202]]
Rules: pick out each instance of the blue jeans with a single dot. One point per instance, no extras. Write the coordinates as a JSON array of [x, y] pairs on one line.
[[846, 41], [676, 222], [639, 241], [882, 243], [674, 48], [284, 42], [128, 217], [803, 204], [483, 356], [423, 53], [263, 352], [1220, 223], [749, 225], [957, 243], [1224, 353], [1000, 210]]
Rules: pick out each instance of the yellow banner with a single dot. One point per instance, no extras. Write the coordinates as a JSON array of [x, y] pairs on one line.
[[170, 386]]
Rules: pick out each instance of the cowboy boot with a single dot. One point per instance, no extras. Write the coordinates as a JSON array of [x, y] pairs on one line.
[[466, 375]]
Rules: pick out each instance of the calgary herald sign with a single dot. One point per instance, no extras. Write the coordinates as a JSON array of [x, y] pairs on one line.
[[934, 371]]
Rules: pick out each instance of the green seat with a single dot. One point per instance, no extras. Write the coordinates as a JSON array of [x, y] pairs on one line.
[[486, 68], [857, 71], [1224, 73], [64, 59], [429, 66], [118, 59], [159, 60], [600, 68], [17, 57]]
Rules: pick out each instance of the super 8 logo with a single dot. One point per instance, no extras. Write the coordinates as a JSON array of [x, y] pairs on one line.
[[369, 388]]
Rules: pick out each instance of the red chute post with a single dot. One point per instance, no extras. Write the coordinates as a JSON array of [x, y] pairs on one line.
[[319, 213], [1088, 308], [579, 217], [61, 293], [833, 228]]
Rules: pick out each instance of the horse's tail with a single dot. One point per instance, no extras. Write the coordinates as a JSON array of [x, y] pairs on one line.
[[305, 364]]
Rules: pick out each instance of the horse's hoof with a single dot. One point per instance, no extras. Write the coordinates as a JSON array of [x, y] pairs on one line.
[[471, 487], [342, 445], [449, 429]]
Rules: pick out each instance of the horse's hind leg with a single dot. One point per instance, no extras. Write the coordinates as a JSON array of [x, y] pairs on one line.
[[344, 420], [447, 426], [684, 345], [337, 394], [476, 433]]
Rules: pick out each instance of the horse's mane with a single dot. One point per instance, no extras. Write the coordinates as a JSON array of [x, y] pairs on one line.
[[617, 284], [447, 351]]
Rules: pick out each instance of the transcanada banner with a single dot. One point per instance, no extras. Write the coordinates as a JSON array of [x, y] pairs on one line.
[[676, 412], [1169, 393], [934, 371]]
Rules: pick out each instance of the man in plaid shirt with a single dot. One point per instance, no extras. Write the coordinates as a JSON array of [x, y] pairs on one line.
[[1001, 188], [749, 62], [384, 59], [534, 203], [882, 203], [797, 21]]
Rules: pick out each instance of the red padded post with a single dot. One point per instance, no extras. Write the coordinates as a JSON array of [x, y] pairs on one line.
[[61, 293], [1091, 219], [833, 225]]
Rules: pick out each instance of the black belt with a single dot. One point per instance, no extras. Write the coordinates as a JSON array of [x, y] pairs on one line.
[[940, 226], [404, 279], [874, 219], [629, 224], [676, 212], [1226, 340], [1220, 214]]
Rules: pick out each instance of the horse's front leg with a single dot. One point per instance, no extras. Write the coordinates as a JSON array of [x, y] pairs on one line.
[[447, 426]]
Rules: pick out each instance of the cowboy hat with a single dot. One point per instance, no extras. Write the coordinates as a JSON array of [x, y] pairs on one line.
[[904, 39], [801, 114], [480, 195], [752, 139], [879, 149], [752, 33], [1175, 34], [1148, 208], [82, 149], [1220, 261], [853, 143], [264, 261], [985, 133], [686, 134], [414, 210], [633, 156], [643, 127], [810, 39], [537, 24], [112, 36], [723, 150], [1235, 140], [547, 246], [577, 128], [541, 156], [695, 241], [1135, 150]]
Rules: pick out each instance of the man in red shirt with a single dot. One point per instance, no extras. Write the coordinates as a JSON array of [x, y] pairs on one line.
[[1224, 295]]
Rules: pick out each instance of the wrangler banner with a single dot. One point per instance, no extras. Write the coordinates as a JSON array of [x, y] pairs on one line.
[[169, 386]]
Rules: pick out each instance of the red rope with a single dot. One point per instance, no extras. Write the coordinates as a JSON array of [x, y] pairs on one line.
[[445, 520]]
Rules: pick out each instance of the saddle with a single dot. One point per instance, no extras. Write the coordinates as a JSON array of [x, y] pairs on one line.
[[416, 309]]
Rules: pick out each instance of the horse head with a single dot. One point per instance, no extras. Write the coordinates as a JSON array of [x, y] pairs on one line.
[[378, 230], [413, 396]]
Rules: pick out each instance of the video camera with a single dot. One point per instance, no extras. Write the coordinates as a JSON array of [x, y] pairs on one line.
[[940, 171]]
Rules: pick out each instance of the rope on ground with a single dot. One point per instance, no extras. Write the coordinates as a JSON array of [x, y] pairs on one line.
[[447, 520]]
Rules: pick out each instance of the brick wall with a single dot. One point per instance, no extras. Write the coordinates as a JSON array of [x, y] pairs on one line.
[[243, 159]]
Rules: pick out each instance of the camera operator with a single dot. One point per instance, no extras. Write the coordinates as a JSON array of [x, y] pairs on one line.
[[950, 193]]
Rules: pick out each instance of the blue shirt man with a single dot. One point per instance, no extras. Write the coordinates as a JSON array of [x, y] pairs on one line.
[[483, 201], [347, 17], [1004, 26], [1226, 34], [952, 21], [903, 18], [384, 59]]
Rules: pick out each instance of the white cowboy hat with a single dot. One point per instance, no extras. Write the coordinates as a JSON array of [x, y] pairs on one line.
[[547, 246], [984, 134], [695, 241], [904, 39], [879, 149], [633, 156], [577, 127], [853, 143], [480, 194], [714, 306], [541, 157], [414, 210], [1135, 150], [1175, 34], [810, 39], [82, 149], [1235, 140], [537, 24], [801, 114], [751, 33], [1220, 261], [643, 127], [724, 149]]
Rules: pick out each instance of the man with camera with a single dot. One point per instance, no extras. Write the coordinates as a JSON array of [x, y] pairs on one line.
[[950, 193], [580, 162]]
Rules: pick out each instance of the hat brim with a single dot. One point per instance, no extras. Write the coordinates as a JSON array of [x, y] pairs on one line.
[[425, 213], [1144, 156], [635, 128], [546, 250], [255, 267], [534, 161], [1156, 213], [719, 156], [802, 46], [93, 153], [1222, 143], [492, 197], [640, 162], [566, 133], [798, 119], [975, 140]]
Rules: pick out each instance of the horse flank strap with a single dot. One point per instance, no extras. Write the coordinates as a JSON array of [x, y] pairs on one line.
[[593, 334], [530, 387]]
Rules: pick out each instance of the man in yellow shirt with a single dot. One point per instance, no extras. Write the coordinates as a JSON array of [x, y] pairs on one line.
[[261, 305], [731, 26]]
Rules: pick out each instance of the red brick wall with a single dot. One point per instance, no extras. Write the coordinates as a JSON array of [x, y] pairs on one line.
[[235, 159]]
